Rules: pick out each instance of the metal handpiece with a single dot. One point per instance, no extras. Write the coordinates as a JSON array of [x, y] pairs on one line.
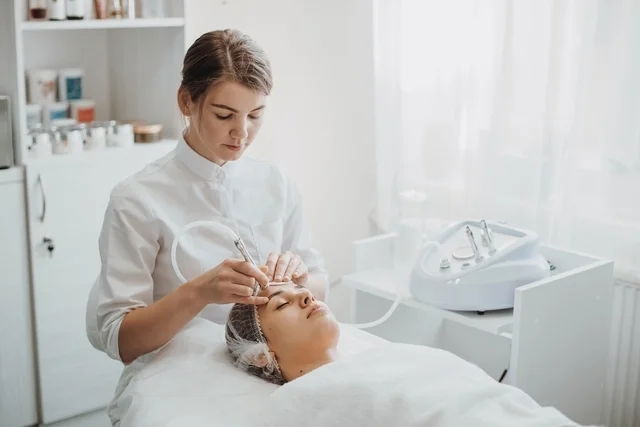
[[487, 236], [472, 243], [243, 250], [247, 257]]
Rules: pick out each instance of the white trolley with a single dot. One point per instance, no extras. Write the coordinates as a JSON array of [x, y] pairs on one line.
[[552, 344]]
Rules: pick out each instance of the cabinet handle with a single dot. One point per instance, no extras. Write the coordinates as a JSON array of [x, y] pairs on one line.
[[44, 199], [49, 244]]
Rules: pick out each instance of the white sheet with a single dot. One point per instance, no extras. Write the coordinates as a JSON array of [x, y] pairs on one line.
[[190, 382], [404, 385]]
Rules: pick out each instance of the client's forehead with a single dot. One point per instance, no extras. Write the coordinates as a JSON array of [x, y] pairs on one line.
[[278, 287]]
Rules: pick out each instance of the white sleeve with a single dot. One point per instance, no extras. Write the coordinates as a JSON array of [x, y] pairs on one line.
[[297, 237], [128, 245]]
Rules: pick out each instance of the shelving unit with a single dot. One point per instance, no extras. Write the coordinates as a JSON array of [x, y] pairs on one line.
[[132, 72], [131, 65], [113, 154], [99, 24]]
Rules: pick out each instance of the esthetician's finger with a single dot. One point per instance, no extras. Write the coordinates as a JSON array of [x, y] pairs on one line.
[[264, 269], [251, 270], [281, 266], [240, 278], [240, 290], [300, 276], [291, 268], [271, 264]]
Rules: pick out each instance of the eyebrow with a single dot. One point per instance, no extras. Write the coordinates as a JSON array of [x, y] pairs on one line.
[[274, 294], [226, 107], [279, 292]]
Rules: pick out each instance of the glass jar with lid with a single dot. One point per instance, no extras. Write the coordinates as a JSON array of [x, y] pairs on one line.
[[76, 137], [58, 145], [112, 133], [97, 136], [115, 9], [37, 10], [75, 9], [40, 145]]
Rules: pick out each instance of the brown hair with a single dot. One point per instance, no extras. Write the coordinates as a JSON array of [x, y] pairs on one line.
[[241, 331], [225, 55]]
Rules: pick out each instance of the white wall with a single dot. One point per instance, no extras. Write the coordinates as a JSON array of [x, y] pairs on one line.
[[319, 123]]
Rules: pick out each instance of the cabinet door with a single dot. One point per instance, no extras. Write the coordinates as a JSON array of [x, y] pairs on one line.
[[67, 197], [17, 365], [561, 336]]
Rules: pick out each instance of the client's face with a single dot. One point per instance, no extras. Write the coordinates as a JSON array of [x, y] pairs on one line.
[[295, 324]]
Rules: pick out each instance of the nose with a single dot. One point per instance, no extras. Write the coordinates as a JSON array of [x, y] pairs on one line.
[[305, 297], [240, 130]]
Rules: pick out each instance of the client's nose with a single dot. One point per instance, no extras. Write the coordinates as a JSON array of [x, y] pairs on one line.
[[306, 297]]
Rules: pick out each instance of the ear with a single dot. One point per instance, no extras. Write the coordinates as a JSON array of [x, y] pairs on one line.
[[261, 360], [184, 102]]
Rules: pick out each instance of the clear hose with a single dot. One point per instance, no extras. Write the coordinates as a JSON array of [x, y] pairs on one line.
[[188, 227], [398, 298], [234, 236]]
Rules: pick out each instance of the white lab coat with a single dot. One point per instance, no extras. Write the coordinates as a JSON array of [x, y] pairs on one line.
[[146, 212]]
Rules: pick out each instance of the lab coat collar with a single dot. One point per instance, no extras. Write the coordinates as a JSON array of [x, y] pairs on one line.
[[201, 166]]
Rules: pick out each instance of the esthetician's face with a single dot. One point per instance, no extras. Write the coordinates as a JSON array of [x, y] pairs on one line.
[[295, 323], [227, 121]]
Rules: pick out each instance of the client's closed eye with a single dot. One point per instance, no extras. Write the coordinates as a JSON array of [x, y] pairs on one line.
[[282, 305]]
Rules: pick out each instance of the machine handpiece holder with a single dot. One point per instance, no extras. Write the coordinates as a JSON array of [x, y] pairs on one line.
[[509, 257]]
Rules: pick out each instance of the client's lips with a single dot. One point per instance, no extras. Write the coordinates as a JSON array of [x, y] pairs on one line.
[[316, 307]]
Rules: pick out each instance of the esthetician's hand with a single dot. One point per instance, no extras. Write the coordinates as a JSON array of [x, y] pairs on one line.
[[232, 281], [286, 267]]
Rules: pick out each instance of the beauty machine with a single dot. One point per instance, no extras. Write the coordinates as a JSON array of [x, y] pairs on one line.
[[476, 266]]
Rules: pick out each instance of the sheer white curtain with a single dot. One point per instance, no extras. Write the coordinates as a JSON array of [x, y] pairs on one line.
[[524, 111]]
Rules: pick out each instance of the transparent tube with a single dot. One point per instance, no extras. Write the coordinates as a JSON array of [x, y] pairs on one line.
[[395, 303], [174, 246], [234, 236]]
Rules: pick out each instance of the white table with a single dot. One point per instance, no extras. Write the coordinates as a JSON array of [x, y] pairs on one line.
[[552, 344]]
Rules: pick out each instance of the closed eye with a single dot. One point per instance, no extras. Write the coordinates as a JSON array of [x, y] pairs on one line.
[[228, 116], [282, 305]]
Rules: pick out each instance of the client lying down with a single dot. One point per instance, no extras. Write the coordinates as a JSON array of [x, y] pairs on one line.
[[285, 338], [293, 340]]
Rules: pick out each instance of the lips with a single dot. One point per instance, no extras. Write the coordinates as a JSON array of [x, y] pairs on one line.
[[233, 147], [314, 308]]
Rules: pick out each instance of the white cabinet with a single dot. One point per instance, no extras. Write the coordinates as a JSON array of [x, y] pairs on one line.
[[17, 369], [67, 197], [553, 344], [132, 72]]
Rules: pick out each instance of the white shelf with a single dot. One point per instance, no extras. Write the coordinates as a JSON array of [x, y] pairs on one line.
[[13, 174], [153, 149], [97, 24], [553, 342], [382, 282]]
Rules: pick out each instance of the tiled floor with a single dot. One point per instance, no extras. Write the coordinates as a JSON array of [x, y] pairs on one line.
[[92, 419]]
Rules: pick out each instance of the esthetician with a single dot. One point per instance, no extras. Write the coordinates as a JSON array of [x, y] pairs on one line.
[[137, 303]]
